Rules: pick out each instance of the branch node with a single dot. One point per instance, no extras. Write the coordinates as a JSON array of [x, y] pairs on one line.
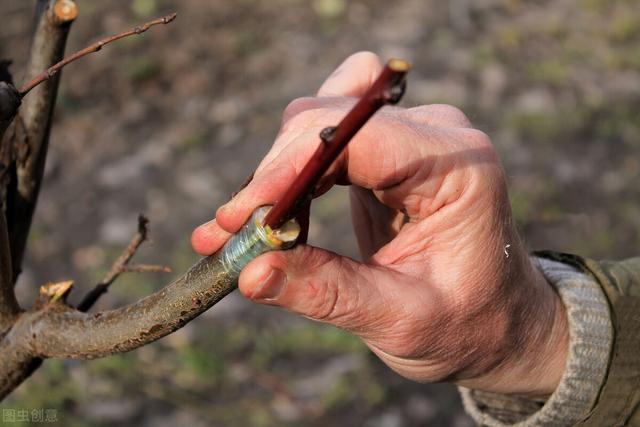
[[326, 134]]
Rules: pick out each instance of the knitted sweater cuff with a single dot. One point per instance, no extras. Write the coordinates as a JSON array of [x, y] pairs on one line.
[[591, 338]]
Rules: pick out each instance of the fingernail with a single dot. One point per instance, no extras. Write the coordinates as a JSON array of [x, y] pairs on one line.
[[271, 287]]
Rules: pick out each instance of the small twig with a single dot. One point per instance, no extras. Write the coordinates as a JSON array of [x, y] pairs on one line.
[[50, 72], [121, 266]]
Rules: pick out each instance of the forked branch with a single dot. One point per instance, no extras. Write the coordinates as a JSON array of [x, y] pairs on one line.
[[121, 265]]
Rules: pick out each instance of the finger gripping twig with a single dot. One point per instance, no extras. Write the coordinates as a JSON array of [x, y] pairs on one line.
[[387, 89]]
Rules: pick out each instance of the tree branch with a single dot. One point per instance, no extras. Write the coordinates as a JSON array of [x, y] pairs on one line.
[[53, 20], [52, 71], [61, 331], [9, 307], [57, 330], [9, 104]]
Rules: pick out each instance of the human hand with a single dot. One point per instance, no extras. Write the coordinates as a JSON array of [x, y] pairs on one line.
[[447, 291]]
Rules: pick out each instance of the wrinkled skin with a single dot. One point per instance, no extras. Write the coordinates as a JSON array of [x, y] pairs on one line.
[[447, 291]]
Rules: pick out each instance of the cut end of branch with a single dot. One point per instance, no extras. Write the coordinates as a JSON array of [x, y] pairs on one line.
[[52, 292], [169, 18], [399, 65], [143, 226], [65, 11]]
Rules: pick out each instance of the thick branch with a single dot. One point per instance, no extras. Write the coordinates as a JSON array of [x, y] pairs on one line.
[[53, 20], [9, 104], [9, 307], [17, 365], [57, 330], [60, 331], [52, 71]]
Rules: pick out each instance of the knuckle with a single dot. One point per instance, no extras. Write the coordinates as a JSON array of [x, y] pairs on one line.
[[303, 121], [443, 114], [453, 114], [481, 148], [478, 138]]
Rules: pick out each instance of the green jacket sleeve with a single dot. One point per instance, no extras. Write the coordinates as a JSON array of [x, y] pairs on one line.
[[618, 402]]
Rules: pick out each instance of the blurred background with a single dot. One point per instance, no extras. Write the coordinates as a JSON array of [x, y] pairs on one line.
[[170, 123]]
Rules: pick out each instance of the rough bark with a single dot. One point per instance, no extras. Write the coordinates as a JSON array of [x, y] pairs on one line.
[[31, 129]]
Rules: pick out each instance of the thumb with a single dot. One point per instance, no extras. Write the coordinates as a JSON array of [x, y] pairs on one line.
[[320, 285]]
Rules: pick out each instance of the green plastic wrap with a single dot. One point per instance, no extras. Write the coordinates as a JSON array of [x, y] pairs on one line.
[[253, 240]]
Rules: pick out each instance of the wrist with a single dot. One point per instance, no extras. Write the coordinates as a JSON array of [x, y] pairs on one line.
[[536, 336], [548, 341]]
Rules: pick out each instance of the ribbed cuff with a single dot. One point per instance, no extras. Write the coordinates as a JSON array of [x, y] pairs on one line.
[[591, 338]]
